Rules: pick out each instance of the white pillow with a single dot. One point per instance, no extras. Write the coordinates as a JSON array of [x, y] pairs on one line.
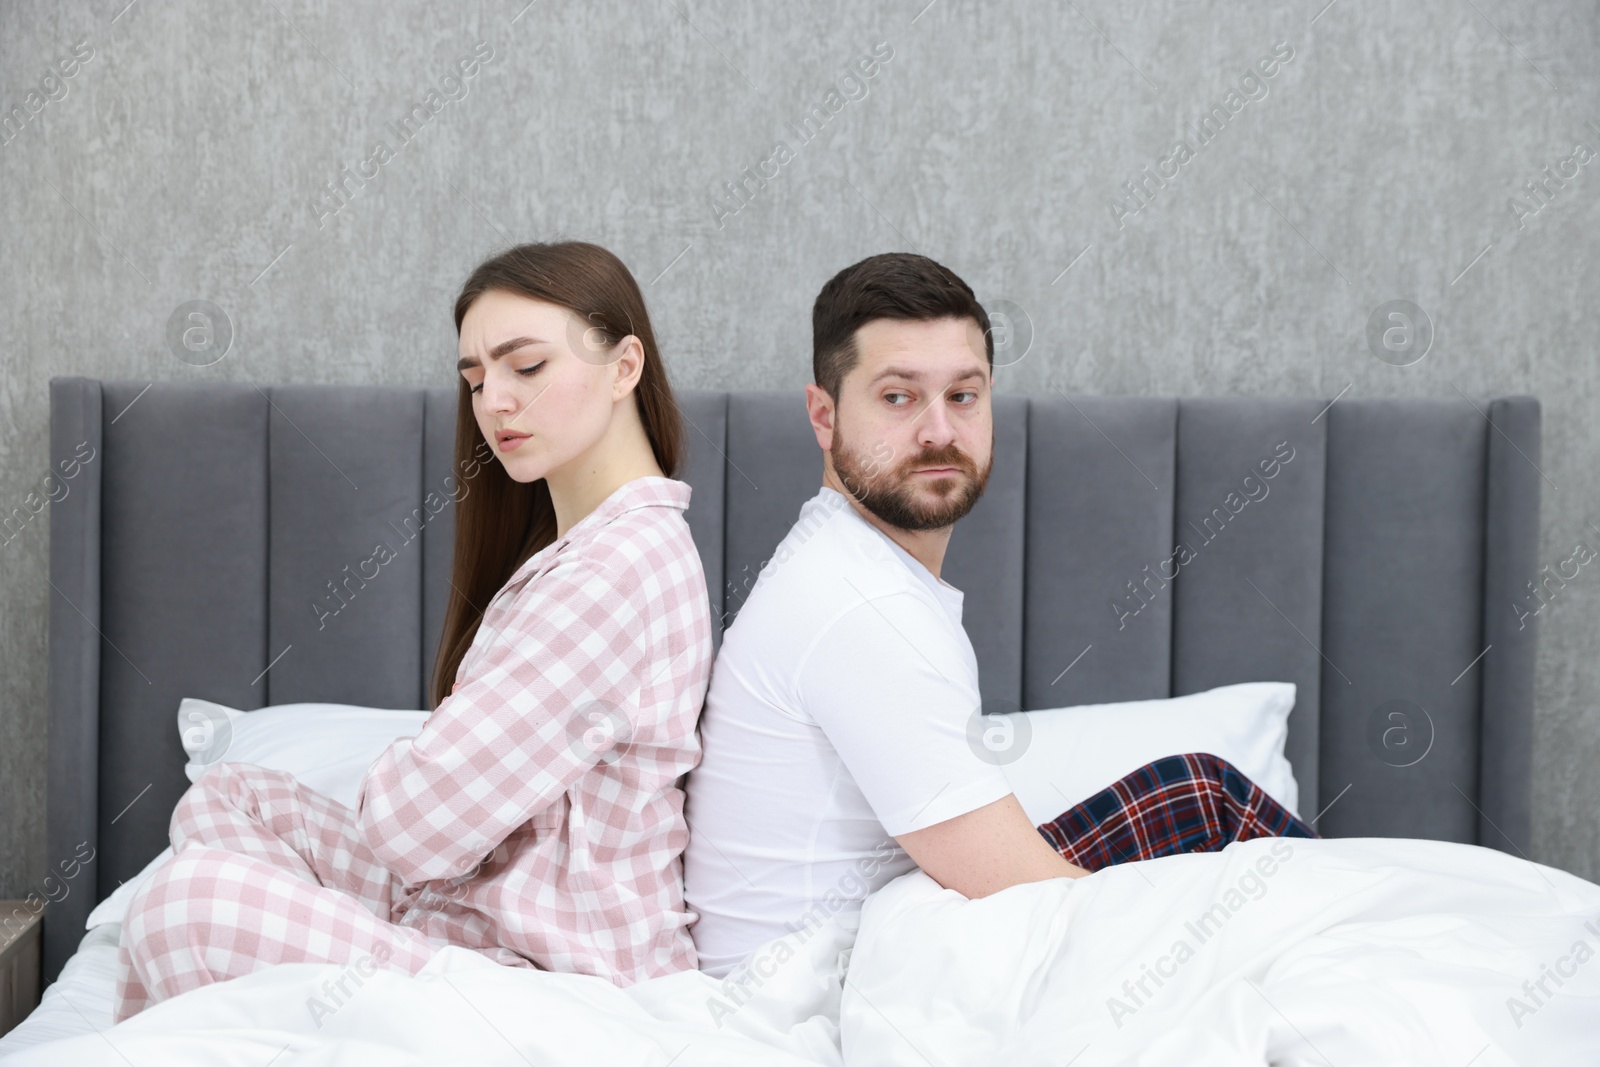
[[326, 746], [114, 908], [1070, 754]]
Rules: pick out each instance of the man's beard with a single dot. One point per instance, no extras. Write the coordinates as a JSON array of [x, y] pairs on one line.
[[891, 494]]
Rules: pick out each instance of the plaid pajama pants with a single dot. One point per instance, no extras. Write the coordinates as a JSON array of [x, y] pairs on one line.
[[264, 871], [1195, 802]]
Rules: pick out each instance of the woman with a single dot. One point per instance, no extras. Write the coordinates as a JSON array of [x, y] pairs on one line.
[[537, 816]]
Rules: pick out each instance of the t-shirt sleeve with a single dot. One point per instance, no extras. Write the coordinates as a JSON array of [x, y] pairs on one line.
[[888, 685]]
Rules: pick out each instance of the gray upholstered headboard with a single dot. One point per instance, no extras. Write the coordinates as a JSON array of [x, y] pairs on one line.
[[200, 549]]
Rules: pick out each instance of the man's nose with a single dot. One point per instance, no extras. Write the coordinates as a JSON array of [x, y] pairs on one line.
[[934, 427]]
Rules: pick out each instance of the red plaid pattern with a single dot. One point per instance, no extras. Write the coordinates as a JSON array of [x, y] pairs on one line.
[[1194, 802], [538, 813]]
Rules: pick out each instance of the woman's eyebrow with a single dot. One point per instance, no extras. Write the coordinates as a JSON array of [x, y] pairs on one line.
[[499, 350]]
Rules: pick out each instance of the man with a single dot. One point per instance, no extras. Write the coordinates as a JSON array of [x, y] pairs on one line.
[[835, 729]]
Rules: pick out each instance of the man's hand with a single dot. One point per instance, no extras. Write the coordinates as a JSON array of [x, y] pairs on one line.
[[986, 850]]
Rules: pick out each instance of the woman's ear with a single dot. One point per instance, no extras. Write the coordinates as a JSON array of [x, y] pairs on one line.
[[627, 366]]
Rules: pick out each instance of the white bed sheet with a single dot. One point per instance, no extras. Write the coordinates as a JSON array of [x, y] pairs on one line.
[[1353, 951], [79, 1001]]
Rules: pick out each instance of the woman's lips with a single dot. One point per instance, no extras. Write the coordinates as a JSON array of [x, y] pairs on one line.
[[508, 443]]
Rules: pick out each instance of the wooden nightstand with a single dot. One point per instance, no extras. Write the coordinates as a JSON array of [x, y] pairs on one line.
[[19, 962]]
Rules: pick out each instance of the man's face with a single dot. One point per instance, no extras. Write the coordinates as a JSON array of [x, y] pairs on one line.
[[913, 431]]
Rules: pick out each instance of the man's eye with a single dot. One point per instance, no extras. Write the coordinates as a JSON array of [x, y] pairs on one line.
[[967, 392], [890, 397]]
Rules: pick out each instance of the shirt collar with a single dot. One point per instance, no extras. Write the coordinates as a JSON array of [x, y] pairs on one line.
[[649, 491], [646, 492], [917, 567]]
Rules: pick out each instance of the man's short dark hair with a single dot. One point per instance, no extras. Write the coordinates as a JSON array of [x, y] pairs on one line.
[[894, 285]]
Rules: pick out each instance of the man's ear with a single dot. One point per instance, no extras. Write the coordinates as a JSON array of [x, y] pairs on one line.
[[820, 408]]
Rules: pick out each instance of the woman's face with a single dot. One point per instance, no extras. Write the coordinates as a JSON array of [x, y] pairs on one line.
[[542, 390]]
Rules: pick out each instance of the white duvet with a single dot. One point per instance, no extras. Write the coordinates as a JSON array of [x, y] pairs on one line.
[[1343, 952]]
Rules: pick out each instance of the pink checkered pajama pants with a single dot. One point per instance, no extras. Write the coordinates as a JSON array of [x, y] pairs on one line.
[[264, 871]]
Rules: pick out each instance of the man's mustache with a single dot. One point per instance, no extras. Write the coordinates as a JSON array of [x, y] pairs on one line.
[[949, 457]]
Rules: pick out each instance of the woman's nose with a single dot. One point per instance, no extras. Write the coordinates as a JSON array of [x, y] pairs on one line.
[[497, 398]]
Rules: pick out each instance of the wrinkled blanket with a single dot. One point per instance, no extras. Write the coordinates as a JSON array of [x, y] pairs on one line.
[[1341, 952]]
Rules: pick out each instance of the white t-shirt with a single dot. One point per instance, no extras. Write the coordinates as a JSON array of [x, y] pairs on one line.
[[837, 716]]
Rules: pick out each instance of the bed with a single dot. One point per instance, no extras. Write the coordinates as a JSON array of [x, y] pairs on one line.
[[1381, 574]]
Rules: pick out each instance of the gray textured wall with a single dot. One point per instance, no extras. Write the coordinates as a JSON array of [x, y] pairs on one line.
[[193, 156]]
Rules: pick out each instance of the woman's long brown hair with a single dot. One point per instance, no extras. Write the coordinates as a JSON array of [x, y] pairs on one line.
[[500, 522]]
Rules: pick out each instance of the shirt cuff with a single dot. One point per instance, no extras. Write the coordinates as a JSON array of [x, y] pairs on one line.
[[946, 804]]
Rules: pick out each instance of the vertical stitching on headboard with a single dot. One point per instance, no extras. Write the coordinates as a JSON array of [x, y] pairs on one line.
[[1172, 538], [266, 613], [1494, 407], [1314, 803], [422, 549], [727, 460], [1022, 598]]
